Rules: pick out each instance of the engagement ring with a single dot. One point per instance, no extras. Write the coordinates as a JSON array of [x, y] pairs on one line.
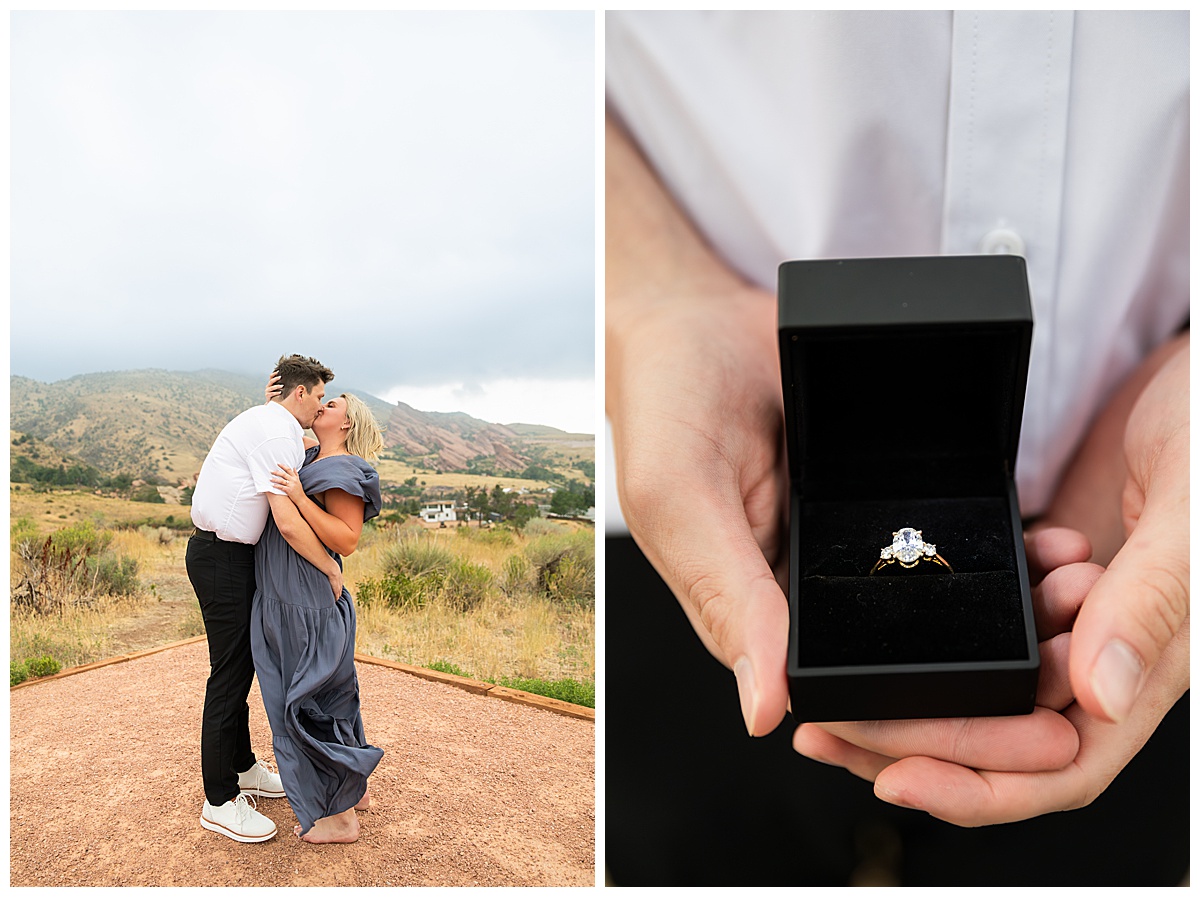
[[908, 549]]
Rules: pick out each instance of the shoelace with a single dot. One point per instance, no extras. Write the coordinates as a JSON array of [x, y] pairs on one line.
[[259, 769], [242, 804]]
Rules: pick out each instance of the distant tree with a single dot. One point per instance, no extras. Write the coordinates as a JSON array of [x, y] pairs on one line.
[[574, 498], [502, 502], [563, 502], [185, 497], [147, 493], [523, 512]]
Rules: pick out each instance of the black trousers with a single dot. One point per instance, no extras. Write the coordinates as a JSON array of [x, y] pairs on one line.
[[691, 799], [222, 574]]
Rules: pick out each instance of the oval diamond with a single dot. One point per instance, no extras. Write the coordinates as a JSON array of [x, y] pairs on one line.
[[907, 545]]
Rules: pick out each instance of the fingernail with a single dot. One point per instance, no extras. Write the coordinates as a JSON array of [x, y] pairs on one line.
[[746, 692], [899, 798], [1117, 678]]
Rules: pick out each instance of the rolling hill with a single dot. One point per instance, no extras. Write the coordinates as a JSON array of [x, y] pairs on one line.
[[158, 425]]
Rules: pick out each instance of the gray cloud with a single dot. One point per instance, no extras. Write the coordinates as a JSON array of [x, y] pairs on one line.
[[400, 194]]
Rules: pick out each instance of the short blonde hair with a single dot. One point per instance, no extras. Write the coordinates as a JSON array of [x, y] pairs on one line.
[[365, 438]]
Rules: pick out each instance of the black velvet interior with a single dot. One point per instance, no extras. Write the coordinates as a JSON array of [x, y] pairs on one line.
[[924, 615], [901, 405]]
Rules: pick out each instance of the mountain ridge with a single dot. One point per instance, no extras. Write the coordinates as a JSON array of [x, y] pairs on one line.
[[155, 423]]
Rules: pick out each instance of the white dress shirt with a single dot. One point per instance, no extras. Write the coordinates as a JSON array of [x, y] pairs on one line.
[[1060, 136], [230, 498]]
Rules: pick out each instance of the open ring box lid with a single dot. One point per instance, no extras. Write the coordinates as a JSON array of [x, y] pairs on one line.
[[903, 385]]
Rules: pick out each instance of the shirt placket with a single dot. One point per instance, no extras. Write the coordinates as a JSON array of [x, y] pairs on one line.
[[1005, 155]]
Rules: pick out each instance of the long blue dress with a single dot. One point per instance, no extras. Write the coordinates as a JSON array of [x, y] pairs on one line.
[[303, 645]]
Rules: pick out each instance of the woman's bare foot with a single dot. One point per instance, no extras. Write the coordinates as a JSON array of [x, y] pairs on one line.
[[339, 829], [365, 803]]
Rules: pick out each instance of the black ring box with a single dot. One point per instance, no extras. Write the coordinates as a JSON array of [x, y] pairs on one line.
[[903, 386]]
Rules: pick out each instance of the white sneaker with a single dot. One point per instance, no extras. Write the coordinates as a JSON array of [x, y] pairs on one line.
[[260, 782], [238, 820]]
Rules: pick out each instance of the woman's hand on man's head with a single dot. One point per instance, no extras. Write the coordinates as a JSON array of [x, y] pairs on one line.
[[273, 388]]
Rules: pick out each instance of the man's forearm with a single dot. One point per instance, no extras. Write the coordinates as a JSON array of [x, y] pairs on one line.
[[298, 534], [655, 259]]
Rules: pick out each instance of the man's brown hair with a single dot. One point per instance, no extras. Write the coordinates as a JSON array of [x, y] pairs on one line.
[[296, 370]]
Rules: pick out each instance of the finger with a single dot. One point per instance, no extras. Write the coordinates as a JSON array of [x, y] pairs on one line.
[[1054, 546], [704, 548], [966, 797], [1057, 600], [815, 743], [1134, 609], [1054, 681], [969, 797], [1039, 741]]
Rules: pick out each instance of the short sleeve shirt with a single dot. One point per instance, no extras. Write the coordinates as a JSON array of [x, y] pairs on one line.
[[230, 498]]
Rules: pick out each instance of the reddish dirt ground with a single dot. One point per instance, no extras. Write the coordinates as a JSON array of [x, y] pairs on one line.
[[105, 787]]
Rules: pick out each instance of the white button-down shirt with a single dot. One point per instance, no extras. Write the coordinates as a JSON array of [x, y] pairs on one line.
[[1056, 135], [230, 498]]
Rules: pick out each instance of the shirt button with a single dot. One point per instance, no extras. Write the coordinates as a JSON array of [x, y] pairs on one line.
[[1002, 241]]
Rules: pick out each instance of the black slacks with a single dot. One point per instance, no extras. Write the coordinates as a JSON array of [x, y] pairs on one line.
[[222, 574]]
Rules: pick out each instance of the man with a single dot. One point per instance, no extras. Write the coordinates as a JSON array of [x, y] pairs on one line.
[[230, 504], [737, 141]]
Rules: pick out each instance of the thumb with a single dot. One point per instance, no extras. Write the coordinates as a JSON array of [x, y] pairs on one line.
[[705, 550], [1134, 610]]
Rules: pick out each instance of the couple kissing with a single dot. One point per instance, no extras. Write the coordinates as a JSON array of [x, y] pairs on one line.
[[275, 512]]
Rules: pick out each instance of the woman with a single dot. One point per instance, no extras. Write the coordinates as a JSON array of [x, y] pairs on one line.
[[303, 639]]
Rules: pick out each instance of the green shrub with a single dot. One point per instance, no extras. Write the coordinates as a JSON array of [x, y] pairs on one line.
[[569, 690], [491, 536], [415, 572], [565, 565], [147, 493], [570, 578], [71, 567], [114, 575], [397, 591], [443, 666], [416, 556], [539, 526], [516, 575], [17, 673], [22, 531], [82, 537], [466, 584], [43, 666]]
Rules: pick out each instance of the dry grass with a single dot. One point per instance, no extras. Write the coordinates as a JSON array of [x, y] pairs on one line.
[[497, 639], [79, 632], [511, 632], [52, 511], [399, 471]]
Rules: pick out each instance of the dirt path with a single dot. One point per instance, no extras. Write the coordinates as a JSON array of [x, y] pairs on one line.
[[105, 788]]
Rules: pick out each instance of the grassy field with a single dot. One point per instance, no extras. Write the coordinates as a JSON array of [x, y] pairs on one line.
[[54, 510], [513, 629], [489, 613], [399, 471]]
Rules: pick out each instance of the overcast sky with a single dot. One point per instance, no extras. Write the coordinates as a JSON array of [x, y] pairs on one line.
[[407, 196]]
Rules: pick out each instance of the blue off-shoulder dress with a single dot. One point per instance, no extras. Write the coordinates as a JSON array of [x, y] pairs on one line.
[[303, 644]]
